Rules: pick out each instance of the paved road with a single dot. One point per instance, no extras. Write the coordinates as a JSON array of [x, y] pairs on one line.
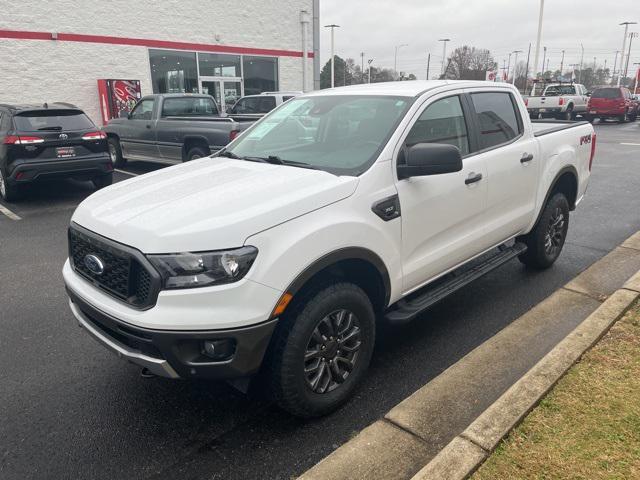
[[70, 409]]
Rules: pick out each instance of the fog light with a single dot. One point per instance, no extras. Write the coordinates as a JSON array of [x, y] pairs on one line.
[[220, 350]]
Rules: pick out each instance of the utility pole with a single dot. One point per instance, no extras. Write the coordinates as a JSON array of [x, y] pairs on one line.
[[362, 65], [428, 64], [444, 53], [547, 70], [515, 66], [536, 55], [509, 67], [615, 64], [526, 75], [581, 63], [632, 35], [544, 57], [624, 45], [395, 57], [333, 26], [369, 62], [562, 63]]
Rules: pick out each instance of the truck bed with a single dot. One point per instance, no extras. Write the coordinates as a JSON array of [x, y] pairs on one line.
[[545, 127]]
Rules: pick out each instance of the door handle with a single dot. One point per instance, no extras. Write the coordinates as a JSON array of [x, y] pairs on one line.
[[526, 157], [473, 178]]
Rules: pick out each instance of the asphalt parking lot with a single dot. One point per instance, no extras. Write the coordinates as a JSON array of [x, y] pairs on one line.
[[71, 409]]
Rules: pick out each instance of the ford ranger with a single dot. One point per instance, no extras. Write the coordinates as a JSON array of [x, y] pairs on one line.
[[171, 128], [278, 257]]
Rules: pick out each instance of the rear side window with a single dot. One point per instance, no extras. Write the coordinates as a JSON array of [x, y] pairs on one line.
[[606, 93], [441, 122], [188, 106], [53, 120], [497, 118]]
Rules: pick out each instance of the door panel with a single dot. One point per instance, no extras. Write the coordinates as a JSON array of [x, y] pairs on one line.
[[512, 164], [138, 139], [442, 216]]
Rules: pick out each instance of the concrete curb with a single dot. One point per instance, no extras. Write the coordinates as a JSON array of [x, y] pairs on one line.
[[465, 453], [403, 442]]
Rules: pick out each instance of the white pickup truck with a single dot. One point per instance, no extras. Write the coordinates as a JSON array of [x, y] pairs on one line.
[[563, 101], [340, 209]]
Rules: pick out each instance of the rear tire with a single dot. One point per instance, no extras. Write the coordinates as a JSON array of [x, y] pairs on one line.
[[8, 191], [115, 153], [321, 349], [567, 115], [545, 241], [102, 181], [624, 118], [196, 152]]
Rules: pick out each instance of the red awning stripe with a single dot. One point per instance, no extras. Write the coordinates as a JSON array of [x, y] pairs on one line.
[[147, 42]]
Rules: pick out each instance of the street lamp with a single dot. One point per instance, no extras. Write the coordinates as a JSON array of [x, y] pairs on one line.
[[444, 52], [395, 57], [515, 66], [536, 56], [332, 27], [369, 62], [624, 44]]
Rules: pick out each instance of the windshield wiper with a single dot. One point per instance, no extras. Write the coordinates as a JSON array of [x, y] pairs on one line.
[[275, 160], [50, 128], [225, 153]]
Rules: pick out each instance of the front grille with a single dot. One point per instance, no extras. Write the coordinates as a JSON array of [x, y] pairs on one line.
[[125, 276]]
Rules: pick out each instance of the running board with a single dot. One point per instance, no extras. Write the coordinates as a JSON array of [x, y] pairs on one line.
[[407, 309]]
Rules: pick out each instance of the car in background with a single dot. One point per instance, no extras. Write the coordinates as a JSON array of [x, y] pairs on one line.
[[559, 100], [171, 128], [256, 106], [56, 140], [612, 102]]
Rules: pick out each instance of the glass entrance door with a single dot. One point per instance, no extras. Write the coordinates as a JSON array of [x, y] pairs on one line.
[[225, 91]]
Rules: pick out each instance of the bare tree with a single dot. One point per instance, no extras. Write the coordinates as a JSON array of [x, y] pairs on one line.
[[469, 63]]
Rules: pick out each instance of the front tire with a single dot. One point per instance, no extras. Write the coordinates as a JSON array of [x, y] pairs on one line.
[[321, 349], [115, 153], [545, 241]]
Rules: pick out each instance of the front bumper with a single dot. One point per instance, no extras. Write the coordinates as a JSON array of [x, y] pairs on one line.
[[544, 111], [175, 354], [31, 170]]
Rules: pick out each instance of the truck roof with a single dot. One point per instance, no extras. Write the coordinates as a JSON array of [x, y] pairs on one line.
[[410, 88]]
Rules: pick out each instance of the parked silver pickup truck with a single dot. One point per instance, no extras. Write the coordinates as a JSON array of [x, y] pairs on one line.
[[171, 128], [559, 100]]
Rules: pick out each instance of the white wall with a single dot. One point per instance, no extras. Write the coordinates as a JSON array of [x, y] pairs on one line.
[[48, 70]]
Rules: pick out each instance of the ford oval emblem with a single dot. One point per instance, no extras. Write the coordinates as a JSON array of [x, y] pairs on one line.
[[94, 264]]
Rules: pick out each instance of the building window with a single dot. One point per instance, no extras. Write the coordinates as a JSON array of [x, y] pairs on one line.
[[173, 72], [216, 65], [260, 74]]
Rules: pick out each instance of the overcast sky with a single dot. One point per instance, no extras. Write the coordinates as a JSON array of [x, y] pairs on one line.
[[502, 26]]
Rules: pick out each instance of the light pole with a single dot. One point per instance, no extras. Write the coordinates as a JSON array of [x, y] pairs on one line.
[[544, 58], [515, 65], [536, 55], [624, 45], [632, 35], [395, 57], [333, 26], [444, 52], [581, 62], [562, 63], [369, 62], [509, 67], [615, 64]]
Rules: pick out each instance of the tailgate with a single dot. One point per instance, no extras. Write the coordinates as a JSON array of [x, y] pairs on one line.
[[543, 102]]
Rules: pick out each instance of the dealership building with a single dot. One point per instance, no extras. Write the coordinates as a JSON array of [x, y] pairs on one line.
[[59, 51]]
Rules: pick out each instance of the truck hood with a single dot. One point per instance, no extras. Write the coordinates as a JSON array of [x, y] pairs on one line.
[[207, 204]]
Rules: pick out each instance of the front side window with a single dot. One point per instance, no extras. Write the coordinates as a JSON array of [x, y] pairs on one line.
[[188, 107], [143, 110], [341, 134], [441, 122], [497, 118]]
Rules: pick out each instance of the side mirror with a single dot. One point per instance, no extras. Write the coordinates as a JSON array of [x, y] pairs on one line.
[[424, 159], [124, 114], [588, 94]]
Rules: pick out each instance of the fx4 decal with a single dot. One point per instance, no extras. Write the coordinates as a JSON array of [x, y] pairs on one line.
[[585, 140]]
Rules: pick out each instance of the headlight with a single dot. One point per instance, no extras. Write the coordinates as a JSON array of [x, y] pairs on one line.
[[189, 270]]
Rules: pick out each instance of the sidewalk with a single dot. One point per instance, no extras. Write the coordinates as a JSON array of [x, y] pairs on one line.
[[588, 426]]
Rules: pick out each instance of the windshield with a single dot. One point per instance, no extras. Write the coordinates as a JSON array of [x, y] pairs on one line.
[[556, 90], [606, 93], [341, 134]]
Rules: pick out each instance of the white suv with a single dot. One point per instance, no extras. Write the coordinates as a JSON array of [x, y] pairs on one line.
[[259, 105], [280, 254]]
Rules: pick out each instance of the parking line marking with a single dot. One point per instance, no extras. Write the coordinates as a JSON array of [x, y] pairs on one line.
[[126, 173], [9, 213], [633, 144]]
